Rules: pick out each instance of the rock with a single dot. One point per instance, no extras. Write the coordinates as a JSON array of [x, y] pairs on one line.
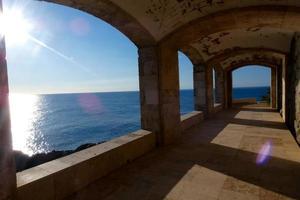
[[24, 161], [21, 160], [85, 146]]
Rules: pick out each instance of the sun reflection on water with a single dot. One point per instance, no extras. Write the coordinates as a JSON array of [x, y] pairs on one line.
[[24, 111]]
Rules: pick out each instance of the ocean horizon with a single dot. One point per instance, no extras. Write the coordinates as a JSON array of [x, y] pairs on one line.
[[46, 122]]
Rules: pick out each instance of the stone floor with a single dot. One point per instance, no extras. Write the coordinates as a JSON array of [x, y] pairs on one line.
[[244, 153]]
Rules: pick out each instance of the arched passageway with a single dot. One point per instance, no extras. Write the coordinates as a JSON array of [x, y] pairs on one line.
[[212, 34]]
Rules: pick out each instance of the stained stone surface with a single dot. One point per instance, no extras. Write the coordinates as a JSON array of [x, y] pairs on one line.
[[218, 43], [237, 58], [242, 153], [162, 17]]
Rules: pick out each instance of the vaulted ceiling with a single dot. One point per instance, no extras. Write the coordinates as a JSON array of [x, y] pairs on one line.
[[249, 57], [161, 17], [233, 40], [211, 27]]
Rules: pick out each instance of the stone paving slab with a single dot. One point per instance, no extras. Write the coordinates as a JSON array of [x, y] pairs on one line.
[[243, 153]]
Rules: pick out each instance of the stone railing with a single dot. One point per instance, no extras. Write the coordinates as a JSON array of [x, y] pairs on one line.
[[218, 107], [59, 178], [191, 119], [244, 101]]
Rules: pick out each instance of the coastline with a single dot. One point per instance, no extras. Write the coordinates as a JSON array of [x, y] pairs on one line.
[[24, 161]]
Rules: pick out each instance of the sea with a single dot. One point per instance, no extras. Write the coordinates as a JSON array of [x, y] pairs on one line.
[[42, 123]]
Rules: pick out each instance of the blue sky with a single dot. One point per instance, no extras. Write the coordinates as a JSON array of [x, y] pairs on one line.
[[72, 51]]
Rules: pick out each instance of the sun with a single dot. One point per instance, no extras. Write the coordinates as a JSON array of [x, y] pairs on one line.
[[14, 26]]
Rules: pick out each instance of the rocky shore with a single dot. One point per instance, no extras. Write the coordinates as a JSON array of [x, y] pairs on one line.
[[24, 161]]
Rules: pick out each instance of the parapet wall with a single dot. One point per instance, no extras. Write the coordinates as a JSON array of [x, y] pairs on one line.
[[60, 178], [244, 101], [191, 119]]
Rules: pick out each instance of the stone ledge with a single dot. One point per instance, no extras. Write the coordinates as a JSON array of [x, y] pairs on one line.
[[244, 101], [191, 119], [218, 107], [60, 178]]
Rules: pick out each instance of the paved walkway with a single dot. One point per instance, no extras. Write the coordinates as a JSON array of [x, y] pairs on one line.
[[242, 153]]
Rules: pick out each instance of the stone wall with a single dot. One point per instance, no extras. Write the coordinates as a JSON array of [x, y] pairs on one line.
[[293, 88], [200, 88], [191, 119]]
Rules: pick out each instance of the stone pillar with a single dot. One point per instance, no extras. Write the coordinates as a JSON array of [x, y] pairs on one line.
[[149, 88], [293, 87], [284, 89], [228, 89], [7, 166], [159, 92], [273, 92], [219, 76], [296, 84], [279, 87], [209, 90], [200, 88]]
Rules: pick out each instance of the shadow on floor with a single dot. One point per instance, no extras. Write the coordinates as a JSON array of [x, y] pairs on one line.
[[259, 123], [257, 109], [156, 174]]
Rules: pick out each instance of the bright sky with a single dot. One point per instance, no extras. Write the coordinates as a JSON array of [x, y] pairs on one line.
[[55, 49]]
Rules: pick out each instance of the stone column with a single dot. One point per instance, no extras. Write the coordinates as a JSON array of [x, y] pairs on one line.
[[159, 92], [209, 90], [228, 89], [149, 88], [219, 76], [279, 88], [7, 166], [200, 88], [293, 87], [284, 89], [273, 92]]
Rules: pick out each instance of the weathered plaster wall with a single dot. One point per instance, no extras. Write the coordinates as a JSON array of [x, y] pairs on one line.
[[234, 40], [251, 56], [162, 17]]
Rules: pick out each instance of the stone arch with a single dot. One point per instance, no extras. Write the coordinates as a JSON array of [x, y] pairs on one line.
[[192, 54], [249, 18], [199, 83], [276, 87], [115, 16], [259, 53], [259, 63], [266, 58]]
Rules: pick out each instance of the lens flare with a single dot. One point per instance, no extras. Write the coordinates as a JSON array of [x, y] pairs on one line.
[[264, 153], [90, 103], [80, 27]]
